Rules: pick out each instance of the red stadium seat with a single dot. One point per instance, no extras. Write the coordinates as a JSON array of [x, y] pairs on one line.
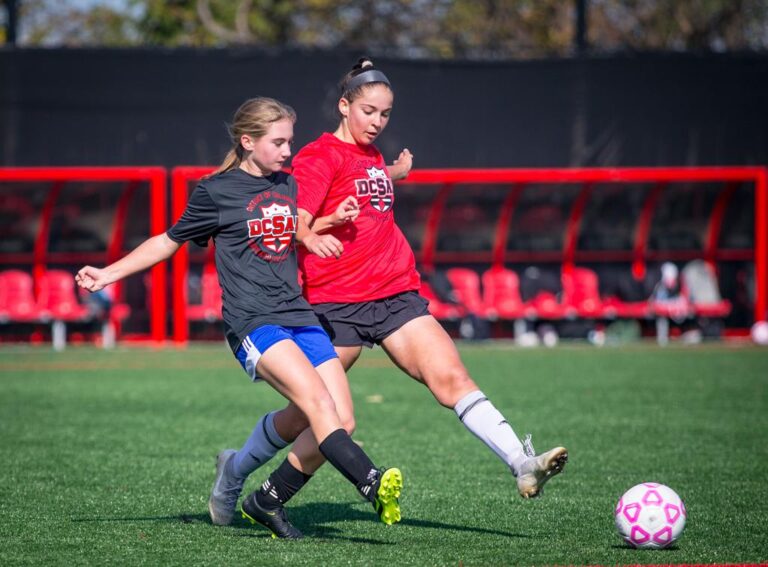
[[56, 295], [17, 300], [56, 303], [713, 310], [209, 309], [616, 308], [438, 309], [676, 310], [581, 293], [545, 305], [466, 285], [501, 294]]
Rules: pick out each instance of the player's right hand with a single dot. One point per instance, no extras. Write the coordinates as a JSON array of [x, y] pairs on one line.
[[92, 279], [323, 245], [401, 166], [346, 212]]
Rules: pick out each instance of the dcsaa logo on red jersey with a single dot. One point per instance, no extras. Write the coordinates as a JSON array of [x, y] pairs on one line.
[[378, 187], [276, 228]]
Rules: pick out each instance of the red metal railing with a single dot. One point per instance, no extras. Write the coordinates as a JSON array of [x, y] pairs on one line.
[[450, 180], [180, 178], [661, 176], [59, 177]]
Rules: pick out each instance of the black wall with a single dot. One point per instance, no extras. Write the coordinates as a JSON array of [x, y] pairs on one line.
[[169, 107]]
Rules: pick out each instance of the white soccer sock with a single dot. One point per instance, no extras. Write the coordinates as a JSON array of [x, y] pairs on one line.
[[480, 416], [262, 445]]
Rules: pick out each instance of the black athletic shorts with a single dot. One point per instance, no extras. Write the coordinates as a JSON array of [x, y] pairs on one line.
[[369, 322]]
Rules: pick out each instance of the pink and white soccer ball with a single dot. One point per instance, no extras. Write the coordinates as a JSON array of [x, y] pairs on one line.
[[650, 516]]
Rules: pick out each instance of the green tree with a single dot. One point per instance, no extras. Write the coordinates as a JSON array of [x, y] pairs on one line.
[[499, 28], [409, 28], [681, 25], [215, 22], [50, 23]]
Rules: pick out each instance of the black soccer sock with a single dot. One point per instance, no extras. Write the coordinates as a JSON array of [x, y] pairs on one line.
[[351, 461], [281, 485]]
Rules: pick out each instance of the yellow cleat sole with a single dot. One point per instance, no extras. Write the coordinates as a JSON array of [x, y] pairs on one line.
[[387, 504]]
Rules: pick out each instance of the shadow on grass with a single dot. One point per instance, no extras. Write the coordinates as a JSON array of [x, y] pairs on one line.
[[310, 519], [244, 527], [652, 550], [317, 513]]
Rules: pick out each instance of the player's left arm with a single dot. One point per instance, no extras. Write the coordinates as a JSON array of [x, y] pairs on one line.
[[401, 166], [150, 252]]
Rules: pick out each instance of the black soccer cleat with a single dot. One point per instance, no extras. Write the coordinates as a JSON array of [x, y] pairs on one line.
[[275, 520]]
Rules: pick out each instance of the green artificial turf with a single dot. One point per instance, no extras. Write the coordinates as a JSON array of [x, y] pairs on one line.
[[108, 457]]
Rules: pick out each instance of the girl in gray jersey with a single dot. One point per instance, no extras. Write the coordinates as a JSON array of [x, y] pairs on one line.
[[248, 207]]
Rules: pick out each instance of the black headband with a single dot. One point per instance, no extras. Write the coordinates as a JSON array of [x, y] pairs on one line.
[[369, 76]]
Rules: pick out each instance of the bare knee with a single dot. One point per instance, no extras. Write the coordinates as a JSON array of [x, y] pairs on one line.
[[320, 405], [451, 384], [292, 420]]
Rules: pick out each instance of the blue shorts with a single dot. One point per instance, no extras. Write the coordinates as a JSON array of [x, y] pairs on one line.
[[313, 342]]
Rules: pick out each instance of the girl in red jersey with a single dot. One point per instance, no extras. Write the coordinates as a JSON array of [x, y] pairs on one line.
[[369, 293]]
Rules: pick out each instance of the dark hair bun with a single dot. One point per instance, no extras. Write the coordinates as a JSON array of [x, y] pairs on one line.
[[363, 63]]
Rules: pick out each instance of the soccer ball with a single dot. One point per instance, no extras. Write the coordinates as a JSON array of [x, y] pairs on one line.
[[650, 516]]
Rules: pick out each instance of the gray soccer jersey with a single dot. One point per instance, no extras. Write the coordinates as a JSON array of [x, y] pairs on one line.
[[252, 221]]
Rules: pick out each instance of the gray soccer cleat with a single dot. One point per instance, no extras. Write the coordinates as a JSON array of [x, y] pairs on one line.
[[226, 490], [538, 469]]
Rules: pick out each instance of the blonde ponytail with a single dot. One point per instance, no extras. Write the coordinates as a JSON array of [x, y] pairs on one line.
[[231, 161]]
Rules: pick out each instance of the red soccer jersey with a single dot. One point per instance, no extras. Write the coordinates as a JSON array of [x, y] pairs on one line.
[[377, 261]]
